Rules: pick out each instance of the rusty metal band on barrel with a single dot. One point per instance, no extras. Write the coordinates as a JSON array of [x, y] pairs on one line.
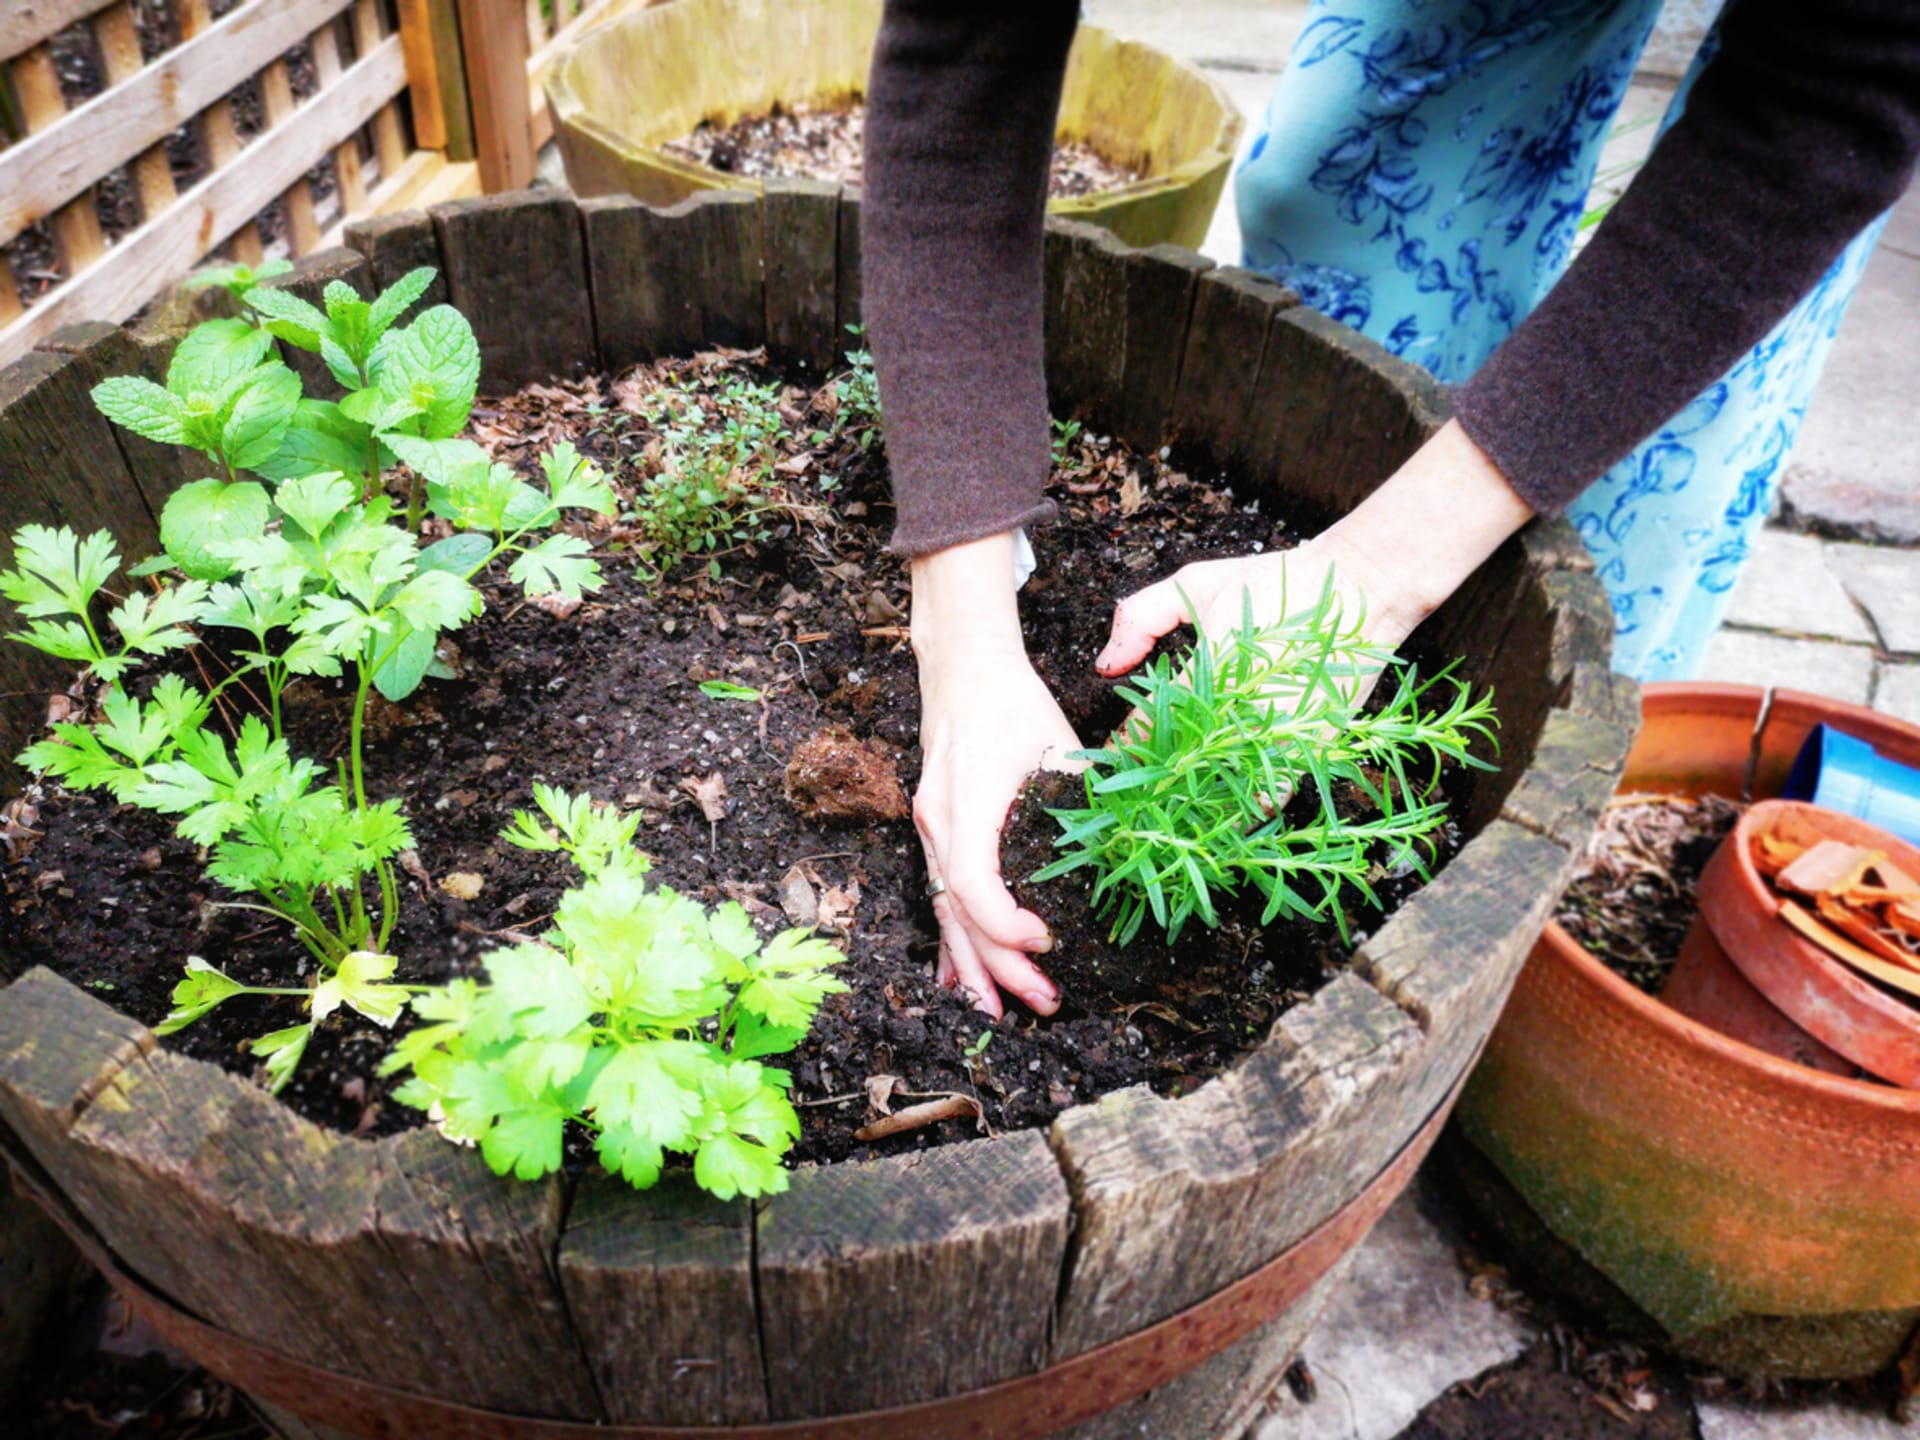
[[1029, 1407]]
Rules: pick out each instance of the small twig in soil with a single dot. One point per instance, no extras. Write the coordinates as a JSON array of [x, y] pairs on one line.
[[831, 1100], [799, 655], [915, 1117]]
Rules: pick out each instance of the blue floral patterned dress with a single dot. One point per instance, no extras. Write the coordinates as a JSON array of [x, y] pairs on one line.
[[1421, 174]]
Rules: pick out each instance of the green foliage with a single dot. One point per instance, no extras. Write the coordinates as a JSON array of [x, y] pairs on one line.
[[727, 690], [858, 393], [1184, 806], [714, 487], [641, 1016], [236, 280], [1065, 433], [317, 578]]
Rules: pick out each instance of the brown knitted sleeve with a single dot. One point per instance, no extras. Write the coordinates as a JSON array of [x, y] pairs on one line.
[[1798, 133], [961, 107]]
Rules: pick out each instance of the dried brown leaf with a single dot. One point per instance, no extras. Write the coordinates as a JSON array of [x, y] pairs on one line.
[[710, 791]]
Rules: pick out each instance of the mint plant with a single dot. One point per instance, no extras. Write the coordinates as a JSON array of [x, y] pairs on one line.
[[640, 1016], [1184, 805], [714, 487], [307, 566]]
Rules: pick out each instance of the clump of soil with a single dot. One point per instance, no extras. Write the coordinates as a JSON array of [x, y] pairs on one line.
[[1635, 894], [825, 143], [605, 698], [834, 775]]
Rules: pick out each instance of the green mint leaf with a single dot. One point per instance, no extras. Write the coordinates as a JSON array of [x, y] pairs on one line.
[[378, 410], [347, 316], [236, 279], [396, 299], [282, 1051], [435, 364], [213, 355], [340, 363], [142, 407], [727, 690], [208, 513], [314, 502], [356, 984], [320, 437], [287, 315], [203, 988], [262, 411], [557, 563]]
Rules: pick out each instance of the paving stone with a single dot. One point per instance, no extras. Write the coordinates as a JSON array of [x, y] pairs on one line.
[[1786, 585], [1752, 657], [1832, 1421], [1887, 582], [1396, 1336], [1851, 472], [1898, 692]]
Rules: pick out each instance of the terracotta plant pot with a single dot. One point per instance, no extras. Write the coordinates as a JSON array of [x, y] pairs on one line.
[[1843, 1012], [1756, 1214]]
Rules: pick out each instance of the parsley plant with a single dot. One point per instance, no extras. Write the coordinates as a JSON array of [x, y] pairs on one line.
[[305, 563], [640, 1016]]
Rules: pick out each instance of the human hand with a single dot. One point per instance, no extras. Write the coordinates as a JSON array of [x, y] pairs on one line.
[[987, 722]]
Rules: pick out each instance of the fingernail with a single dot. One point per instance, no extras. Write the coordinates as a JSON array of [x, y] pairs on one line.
[[1041, 999], [1042, 946]]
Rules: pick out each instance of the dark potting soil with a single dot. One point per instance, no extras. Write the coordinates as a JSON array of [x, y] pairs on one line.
[[1634, 895], [604, 698], [822, 143]]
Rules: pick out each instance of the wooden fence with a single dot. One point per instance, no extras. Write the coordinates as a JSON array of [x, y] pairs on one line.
[[143, 136]]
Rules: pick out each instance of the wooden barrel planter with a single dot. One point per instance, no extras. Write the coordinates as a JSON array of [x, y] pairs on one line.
[[1696, 1193], [643, 77], [1148, 1266]]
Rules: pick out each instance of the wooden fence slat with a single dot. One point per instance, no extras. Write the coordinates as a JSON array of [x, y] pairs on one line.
[[396, 244], [516, 268], [166, 249], [670, 282], [10, 308], [436, 78], [218, 133], [660, 1287], [119, 41], [1330, 413], [389, 144], [892, 1250], [495, 40], [102, 350], [276, 94], [1232, 311], [76, 224], [350, 182], [849, 313], [802, 243], [59, 161], [28, 22]]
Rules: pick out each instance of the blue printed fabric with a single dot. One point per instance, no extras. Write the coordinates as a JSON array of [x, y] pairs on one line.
[[1421, 175]]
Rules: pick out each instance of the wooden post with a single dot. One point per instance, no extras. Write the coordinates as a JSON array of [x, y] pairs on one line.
[[436, 78], [493, 38]]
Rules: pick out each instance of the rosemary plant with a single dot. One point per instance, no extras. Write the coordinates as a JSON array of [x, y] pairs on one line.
[[1184, 806]]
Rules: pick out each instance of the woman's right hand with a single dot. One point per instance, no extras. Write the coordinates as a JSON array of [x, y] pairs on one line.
[[987, 722]]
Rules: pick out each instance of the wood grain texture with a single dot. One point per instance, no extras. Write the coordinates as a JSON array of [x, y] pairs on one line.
[[1175, 1199], [849, 312], [660, 1287], [1086, 318], [1580, 758], [102, 350], [59, 1048], [436, 80], [1335, 414], [144, 105], [395, 244], [309, 279], [1233, 309], [864, 1268], [516, 268], [1160, 283], [495, 47], [801, 248], [405, 1262], [674, 281]]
